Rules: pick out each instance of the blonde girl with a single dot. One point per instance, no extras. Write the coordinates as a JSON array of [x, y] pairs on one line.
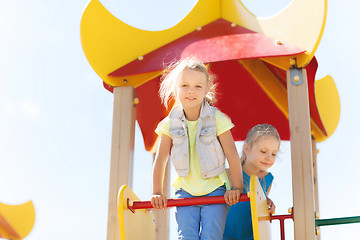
[[199, 139], [259, 152]]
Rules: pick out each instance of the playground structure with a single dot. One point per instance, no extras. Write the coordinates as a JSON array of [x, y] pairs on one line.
[[132, 213], [16, 221], [258, 62]]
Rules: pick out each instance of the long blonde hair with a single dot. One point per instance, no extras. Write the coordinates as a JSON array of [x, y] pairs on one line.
[[255, 134], [172, 73]]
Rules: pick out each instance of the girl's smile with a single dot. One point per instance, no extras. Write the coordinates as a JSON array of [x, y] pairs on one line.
[[266, 164], [261, 155], [191, 89], [191, 98]]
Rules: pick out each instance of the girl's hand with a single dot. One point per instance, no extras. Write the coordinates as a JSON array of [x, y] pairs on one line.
[[271, 206], [232, 196], [159, 201]]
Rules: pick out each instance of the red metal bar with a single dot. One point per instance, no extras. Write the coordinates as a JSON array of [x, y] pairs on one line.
[[282, 229], [185, 202], [282, 218]]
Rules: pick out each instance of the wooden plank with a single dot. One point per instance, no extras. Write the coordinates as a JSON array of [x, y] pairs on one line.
[[316, 186], [301, 155], [260, 216], [162, 216], [122, 149]]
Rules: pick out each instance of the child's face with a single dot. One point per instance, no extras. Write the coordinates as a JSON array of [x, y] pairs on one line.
[[263, 153], [191, 88]]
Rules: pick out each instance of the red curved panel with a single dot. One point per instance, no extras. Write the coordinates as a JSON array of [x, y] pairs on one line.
[[149, 111], [238, 46], [239, 95], [215, 34], [245, 102]]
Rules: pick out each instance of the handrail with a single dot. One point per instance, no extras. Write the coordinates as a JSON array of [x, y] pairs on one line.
[[179, 202], [337, 221], [282, 219]]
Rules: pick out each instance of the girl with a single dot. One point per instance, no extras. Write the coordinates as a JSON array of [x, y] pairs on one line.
[[199, 138], [259, 151]]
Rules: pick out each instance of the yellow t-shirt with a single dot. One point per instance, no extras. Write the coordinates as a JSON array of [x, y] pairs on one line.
[[194, 183]]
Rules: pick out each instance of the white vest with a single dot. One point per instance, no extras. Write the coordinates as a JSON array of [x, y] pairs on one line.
[[210, 153]]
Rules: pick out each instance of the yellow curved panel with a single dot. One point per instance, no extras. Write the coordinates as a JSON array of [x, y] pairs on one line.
[[328, 104], [134, 80], [109, 43], [137, 225], [300, 24], [259, 214], [21, 218]]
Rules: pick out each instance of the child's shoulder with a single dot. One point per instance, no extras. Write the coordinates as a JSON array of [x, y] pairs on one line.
[[163, 127], [223, 122], [265, 174], [269, 177], [220, 115]]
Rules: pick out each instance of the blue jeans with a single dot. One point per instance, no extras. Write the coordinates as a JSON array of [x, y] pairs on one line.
[[205, 222]]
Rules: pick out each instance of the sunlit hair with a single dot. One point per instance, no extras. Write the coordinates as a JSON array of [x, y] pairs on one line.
[[172, 73], [256, 133]]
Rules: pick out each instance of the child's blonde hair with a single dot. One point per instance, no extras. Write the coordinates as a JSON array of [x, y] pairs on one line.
[[254, 135], [172, 73]]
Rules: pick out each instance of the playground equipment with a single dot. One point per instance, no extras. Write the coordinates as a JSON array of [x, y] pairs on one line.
[[132, 213], [16, 221], [267, 62]]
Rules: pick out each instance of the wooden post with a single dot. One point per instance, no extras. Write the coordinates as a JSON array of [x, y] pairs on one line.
[[316, 186], [122, 149], [301, 154], [162, 216]]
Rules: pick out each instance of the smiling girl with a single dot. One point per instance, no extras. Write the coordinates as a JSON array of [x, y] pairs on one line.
[[259, 152], [199, 139]]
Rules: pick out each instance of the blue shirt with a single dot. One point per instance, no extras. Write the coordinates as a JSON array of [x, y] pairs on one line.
[[238, 221]]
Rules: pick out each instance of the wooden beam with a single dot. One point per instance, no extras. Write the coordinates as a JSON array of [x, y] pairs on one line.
[[301, 155], [122, 152], [162, 216], [316, 186]]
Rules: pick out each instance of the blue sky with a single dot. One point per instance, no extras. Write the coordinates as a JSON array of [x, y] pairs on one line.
[[56, 118]]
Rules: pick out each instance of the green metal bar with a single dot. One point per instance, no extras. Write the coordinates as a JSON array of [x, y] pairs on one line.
[[336, 221]]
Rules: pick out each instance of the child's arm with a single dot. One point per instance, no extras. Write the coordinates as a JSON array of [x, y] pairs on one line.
[[158, 200], [271, 205], [228, 145]]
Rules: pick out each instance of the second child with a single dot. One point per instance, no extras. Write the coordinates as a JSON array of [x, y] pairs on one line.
[[259, 152]]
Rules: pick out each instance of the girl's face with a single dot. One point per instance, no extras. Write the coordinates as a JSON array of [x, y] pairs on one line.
[[263, 152], [191, 88]]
